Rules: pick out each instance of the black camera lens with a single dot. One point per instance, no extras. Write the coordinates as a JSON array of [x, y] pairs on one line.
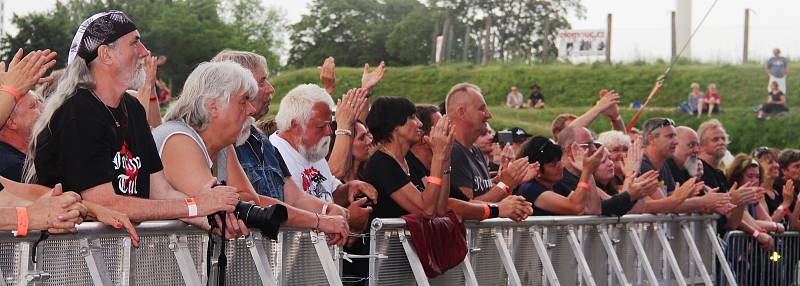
[[268, 219]]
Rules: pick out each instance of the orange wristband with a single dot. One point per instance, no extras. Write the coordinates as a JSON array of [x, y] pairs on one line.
[[13, 91], [486, 211], [22, 222], [434, 180]]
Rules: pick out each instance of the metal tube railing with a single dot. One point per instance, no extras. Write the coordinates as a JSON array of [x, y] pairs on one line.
[[569, 250]]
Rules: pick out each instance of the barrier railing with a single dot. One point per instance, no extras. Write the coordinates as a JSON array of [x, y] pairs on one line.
[[631, 250], [756, 266], [635, 249]]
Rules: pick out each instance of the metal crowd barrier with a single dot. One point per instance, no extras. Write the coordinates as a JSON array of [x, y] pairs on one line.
[[755, 266], [170, 253], [631, 250]]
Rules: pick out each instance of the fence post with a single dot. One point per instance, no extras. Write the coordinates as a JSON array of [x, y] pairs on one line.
[[93, 257], [637, 245], [576, 250], [179, 247], [505, 257], [324, 254], [723, 262], [549, 272], [260, 260], [413, 261]]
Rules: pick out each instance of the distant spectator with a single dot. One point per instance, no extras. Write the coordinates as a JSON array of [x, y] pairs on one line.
[[710, 102], [777, 67], [776, 103], [518, 136], [514, 98], [536, 99], [691, 105]]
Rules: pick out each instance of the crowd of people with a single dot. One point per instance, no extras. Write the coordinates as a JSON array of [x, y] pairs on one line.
[[97, 148]]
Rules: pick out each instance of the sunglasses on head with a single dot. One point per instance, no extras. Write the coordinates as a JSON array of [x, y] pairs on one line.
[[665, 122], [549, 142], [760, 151]]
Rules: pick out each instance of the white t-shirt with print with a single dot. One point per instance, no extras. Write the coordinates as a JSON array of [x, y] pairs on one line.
[[315, 178]]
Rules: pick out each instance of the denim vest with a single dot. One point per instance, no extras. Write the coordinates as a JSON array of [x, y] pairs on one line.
[[258, 159]]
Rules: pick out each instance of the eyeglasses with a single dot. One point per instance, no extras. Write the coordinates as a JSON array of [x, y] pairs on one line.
[[549, 142], [589, 145], [760, 151]]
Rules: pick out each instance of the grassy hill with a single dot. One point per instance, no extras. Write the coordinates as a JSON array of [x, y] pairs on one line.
[[573, 88]]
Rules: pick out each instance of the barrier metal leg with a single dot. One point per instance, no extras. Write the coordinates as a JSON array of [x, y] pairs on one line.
[[93, 257], [260, 259], [637, 245], [2, 278], [612, 256], [180, 248], [505, 257], [413, 261], [324, 254], [549, 272], [578, 252], [723, 262], [695, 253], [469, 273], [673, 263]]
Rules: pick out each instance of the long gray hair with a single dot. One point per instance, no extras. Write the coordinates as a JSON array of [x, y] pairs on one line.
[[75, 76]]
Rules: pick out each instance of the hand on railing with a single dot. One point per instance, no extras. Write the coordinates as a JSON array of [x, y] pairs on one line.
[[113, 218], [765, 241], [515, 208], [213, 200], [57, 212], [335, 227], [234, 228]]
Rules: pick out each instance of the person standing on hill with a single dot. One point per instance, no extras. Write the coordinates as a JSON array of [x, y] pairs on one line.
[[777, 67]]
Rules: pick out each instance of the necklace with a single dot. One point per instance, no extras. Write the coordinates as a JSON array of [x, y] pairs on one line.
[[124, 108], [403, 164]]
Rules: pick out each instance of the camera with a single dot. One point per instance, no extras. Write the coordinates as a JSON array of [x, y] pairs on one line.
[[268, 220]]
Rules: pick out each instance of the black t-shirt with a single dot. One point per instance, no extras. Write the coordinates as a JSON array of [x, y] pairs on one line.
[[664, 174], [82, 147], [386, 175], [533, 189], [715, 178], [772, 204], [536, 96], [678, 174], [468, 170], [11, 161]]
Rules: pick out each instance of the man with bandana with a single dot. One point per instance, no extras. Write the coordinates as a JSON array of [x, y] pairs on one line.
[[93, 137]]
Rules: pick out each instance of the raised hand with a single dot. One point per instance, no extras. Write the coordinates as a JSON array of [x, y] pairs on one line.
[[442, 139], [633, 160], [514, 172], [591, 163], [370, 79], [350, 107], [608, 104], [788, 194], [327, 75], [24, 73]]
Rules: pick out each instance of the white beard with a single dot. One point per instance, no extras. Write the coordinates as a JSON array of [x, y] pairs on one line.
[[316, 152], [245, 132], [691, 165]]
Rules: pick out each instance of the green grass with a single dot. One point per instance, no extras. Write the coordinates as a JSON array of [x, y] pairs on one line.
[[573, 89]]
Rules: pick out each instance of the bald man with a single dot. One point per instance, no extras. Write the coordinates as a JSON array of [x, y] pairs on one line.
[[470, 178], [685, 164]]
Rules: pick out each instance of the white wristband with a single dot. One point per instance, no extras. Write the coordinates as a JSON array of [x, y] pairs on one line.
[[324, 209], [192, 206], [503, 187], [756, 234]]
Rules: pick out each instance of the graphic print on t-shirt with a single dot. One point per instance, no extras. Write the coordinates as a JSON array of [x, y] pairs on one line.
[[126, 181], [312, 184]]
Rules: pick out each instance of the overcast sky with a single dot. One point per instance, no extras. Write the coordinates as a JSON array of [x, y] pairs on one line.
[[640, 28]]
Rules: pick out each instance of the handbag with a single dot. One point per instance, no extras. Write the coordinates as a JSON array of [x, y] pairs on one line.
[[440, 242]]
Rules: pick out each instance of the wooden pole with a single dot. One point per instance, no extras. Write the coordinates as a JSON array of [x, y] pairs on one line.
[[674, 36], [608, 39], [746, 34], [546, 42]]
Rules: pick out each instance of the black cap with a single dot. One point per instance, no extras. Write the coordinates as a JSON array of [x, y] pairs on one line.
[[519, 134]]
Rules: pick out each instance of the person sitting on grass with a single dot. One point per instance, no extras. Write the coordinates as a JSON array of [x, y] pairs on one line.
[[709, 102], [776, 103]]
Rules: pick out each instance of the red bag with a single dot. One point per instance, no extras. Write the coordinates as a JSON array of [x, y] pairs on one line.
[[440, 242]]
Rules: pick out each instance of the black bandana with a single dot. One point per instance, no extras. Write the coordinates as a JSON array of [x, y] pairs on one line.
[[99, 29]]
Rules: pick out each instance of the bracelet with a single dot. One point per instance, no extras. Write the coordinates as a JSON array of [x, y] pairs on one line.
[[494, 211], [22, 222], [487, 212], [505, 188], [192, 206], [756, 234], [317, 227], [324, 209], [782, 209], [13, 91], [153, 98], [434, 180], [584, 185], [343, 132]]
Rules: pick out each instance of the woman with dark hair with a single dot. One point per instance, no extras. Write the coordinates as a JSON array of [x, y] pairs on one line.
[[549, 197], [395, 128], [775, 201]]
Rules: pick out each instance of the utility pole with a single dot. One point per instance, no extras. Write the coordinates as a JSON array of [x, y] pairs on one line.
[[746, 34], [608, 39], [674, 36]]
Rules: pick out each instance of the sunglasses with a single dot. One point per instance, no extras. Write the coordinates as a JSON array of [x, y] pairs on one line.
[[549, 142], [760, 151], [665, 122], [589, 145]]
